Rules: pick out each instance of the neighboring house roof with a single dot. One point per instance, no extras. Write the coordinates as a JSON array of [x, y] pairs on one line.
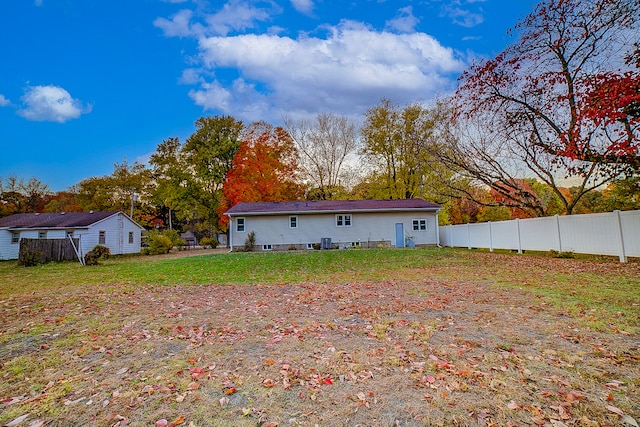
[[322, 206], [54, 220]]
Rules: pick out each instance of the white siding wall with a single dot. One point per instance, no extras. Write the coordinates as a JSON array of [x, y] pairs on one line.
[[312, 228], [116, 230]]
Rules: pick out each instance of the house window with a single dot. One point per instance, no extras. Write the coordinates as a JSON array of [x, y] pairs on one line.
[[309, 245], [343, 220], [131, 237], [240, 225], [419, 224], [15, 237], [268, 247], [102, 237], [293, 222], [42, 234]]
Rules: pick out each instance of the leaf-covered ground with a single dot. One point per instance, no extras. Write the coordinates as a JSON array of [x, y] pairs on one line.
[[426, 346]]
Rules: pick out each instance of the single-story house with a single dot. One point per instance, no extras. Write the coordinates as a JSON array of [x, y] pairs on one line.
[[334, 224], [114, 230]]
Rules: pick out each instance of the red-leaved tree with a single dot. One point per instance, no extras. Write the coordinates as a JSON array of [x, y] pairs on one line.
[[556, 103], [263, 170]]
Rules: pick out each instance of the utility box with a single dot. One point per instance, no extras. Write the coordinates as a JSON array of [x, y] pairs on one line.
[[325, 243]]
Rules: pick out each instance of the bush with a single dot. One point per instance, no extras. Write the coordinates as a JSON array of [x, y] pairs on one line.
[[209, 242], [158, 243], [250, 242], [29, 258], [98, 252], [174, 236]]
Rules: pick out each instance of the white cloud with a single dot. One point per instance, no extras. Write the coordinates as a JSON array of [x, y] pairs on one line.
[[303, 6], [462, 16], [179, 25], [4, 101], [348, 71], [236, 15], [405, 22], [51, 103]]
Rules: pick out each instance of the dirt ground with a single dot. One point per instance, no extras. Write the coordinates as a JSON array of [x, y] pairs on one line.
[[404, 352]]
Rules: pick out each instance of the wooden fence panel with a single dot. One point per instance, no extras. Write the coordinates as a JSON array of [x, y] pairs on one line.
[[51, 249]]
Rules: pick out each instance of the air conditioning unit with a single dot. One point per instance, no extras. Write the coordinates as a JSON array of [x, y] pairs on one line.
[[325, 243]]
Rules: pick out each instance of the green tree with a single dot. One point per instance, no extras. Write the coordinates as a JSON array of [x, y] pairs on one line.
[[209, 153], [116, 191], [173, 181], [399, 144]]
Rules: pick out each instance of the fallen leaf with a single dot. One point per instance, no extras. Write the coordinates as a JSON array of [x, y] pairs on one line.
[[162, 423], [614, 409], [193, 386], [224, 400], [17, 421], [513, 405], [230, 391], [177, 421]]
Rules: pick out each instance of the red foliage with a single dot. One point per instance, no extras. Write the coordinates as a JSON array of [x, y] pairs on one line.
[[557, 86], [264, 169]]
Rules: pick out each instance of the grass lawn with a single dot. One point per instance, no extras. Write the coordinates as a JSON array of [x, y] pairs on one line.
[[413, 337]]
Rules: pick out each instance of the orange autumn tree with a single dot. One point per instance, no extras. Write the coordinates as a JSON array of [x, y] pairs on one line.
[[264, 169]]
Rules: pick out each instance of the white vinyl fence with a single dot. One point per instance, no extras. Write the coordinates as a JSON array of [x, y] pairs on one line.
[[614, 233]]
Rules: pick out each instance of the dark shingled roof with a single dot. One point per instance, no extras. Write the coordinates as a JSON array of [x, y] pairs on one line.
[[53, 220], [245, 208]]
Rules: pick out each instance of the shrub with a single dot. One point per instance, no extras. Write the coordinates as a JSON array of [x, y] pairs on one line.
[[30, 258], [250, 242], [98, 252], [158, 243], [174, 236], [209, 242]]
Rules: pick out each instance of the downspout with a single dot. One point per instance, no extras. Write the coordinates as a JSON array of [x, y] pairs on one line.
[[437, 229], [230, 233]]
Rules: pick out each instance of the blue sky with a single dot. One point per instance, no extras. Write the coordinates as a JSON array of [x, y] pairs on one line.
[[85, 84]]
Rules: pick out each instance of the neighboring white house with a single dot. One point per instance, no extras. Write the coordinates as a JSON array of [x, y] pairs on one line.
[[114, 230], [334, 224]]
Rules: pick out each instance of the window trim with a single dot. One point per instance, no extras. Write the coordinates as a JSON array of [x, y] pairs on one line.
[[131, 238], [243, 221], [102, 237], [267, 247], [42, 234], [344, 220], [293, 219], [419, 224], [15, 237]]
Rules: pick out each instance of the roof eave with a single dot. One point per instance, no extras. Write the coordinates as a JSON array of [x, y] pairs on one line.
[[328, 211]]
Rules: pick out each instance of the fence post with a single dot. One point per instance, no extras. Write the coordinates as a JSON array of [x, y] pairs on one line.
[[490, 238], [623, 255], [558, 229], [519, 240]]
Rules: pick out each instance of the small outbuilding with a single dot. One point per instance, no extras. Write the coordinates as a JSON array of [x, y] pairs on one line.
[[330, 224], [114, 230]]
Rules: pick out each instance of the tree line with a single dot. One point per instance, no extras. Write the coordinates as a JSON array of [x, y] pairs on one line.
[[551, 125]]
